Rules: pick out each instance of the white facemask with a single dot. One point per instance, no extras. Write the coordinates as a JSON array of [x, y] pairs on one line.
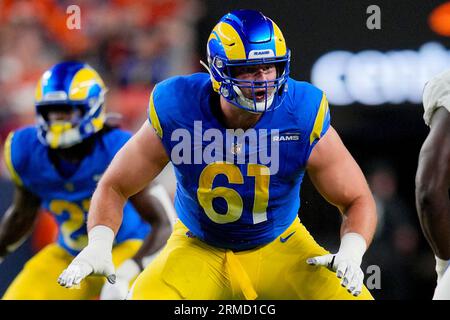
[[61, 134], [249, 103]]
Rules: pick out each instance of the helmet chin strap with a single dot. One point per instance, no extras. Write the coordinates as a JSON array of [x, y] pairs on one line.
[[206, 67], [251, 104]]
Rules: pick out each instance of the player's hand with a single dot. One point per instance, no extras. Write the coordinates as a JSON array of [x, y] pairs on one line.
[[124, 275], [346, 269], [91, 260], [346, 262], [95, 258]]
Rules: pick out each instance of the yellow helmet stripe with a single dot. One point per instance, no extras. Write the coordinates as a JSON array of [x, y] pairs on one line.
[[213, 36], [154, 117], [318, 123], [38, 91], [8, 160], [99, 122], [81, 83], [215, 84], [231, 41], [280, 43]]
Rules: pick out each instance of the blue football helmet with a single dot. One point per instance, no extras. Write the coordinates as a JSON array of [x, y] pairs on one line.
[[71, 87], [245, 38]]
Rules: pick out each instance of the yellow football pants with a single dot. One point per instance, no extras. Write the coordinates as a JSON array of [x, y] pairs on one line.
[[188, 268], [37, 280]]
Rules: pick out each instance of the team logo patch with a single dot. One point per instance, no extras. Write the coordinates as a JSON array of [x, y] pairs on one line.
[[288, 136], [255, 54], [236, 148], [283, 240], [189, 234]]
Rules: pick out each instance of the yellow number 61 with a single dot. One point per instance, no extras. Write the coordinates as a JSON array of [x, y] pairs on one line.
[[206, 193]]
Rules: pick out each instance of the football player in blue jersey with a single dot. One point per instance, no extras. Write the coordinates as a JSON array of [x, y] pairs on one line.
[[241, 139], [57, 164]]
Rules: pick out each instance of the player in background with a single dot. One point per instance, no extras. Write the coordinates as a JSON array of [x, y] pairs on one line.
[[238, 234], [56, 164], [433, 178]]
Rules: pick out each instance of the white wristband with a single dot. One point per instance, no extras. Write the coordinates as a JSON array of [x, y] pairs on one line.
[[353, 246], [101, 236]]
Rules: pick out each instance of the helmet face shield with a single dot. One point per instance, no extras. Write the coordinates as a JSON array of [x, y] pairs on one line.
[[69, 104], [59, 112], [241, 43]]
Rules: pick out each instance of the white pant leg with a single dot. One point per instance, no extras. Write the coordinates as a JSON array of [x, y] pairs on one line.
[[442, 291]]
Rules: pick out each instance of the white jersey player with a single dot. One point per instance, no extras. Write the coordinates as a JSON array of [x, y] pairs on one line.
[[433, 178]]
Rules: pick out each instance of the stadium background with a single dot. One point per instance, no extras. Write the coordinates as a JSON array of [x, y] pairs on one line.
[[135, 44]]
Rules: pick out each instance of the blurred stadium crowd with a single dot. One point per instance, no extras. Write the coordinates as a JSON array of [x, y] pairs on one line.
[[134, 45]]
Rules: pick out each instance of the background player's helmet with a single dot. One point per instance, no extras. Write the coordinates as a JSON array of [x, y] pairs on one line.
[[69, 86], [245, 38]]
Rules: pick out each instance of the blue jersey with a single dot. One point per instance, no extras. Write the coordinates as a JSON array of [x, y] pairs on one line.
[[228, 193], [68, 199]]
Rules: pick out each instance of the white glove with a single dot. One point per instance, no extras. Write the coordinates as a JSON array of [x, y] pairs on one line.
[[441, 267], [119, 290], [346, 262], [95, 258]]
